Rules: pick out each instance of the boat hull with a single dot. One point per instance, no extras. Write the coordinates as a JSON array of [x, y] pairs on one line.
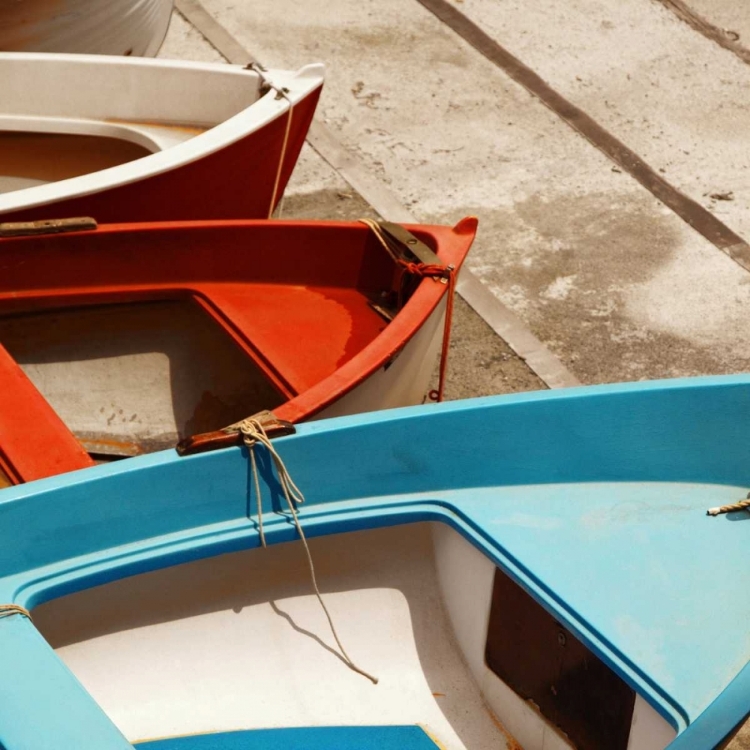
[[100, 27], [201, 156]]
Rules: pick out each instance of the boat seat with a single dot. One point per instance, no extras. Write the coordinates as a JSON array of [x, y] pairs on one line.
[[329, 326], [25, 415]]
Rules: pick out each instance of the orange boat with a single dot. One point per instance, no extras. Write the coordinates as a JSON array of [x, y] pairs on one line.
[[122, 339]]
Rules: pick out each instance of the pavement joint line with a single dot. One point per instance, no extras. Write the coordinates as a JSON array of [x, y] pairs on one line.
[[722, 37], [689, 210], [503, 321]]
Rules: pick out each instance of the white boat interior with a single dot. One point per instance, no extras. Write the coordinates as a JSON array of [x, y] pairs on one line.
[[239, 641]]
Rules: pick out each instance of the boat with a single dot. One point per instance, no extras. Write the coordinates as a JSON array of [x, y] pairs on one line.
[[134, 139], [535, 570], [104, 27], [117, 340]]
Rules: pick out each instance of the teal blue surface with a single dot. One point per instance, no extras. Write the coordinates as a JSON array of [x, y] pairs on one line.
[[594, 499], [302, 738]]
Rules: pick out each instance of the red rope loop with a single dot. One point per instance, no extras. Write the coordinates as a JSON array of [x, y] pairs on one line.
[[425, 270]]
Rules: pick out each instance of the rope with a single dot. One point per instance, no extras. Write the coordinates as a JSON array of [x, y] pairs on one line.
[[741, 505], [253, 433], [6, 610], [424, 270], [281, 93]]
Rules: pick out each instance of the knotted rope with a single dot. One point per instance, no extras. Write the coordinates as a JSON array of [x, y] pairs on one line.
[[424, 270], [740, 505], [253, 433], [281, 93], [6, 610]]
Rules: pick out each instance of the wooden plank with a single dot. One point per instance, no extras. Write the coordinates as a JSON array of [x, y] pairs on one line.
[[34, 441], [545, 664]]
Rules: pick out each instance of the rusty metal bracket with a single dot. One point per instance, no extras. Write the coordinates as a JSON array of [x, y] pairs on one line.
[[46, 226], [231, 435], [411, 244]]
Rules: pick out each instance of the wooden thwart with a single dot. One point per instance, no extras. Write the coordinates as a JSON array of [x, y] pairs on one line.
[[26, 417], [46, 226]]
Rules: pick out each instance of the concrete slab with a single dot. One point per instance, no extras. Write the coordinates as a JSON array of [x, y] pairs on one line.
[[671, 94], [580, 251], [183, 42], [728, 15]]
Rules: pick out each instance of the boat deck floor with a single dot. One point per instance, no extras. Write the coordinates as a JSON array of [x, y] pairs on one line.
[[29, 159], [131, 378], [239, 641], [34, 158]]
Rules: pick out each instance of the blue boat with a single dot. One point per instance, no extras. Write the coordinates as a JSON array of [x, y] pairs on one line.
[[534, 571]]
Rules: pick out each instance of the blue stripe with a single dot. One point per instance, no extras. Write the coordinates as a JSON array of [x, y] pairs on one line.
[[302, 738]]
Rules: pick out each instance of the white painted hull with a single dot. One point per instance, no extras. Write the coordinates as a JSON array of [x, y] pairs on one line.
[[404, 382], [99, 27], [239, 642]]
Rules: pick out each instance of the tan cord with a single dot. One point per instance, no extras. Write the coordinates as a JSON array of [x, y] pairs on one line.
[[252, 433], [385, 240], [258, 496], [6, 610], [283, 94], [741, 505]]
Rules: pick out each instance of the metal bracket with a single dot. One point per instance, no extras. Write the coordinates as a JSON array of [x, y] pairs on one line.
[[46, 226], [231, 435], [410, 243]]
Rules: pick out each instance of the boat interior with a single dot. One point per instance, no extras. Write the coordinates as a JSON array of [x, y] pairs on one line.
[[59, 117], [168, 334], [238, 642], [30, 159]]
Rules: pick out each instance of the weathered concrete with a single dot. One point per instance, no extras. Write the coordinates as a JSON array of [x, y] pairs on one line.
[[570, 245], [672, 95], [183, 42], [729, 15]]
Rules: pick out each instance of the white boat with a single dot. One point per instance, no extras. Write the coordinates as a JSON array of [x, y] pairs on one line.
[[100, 27], [123, 139]]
